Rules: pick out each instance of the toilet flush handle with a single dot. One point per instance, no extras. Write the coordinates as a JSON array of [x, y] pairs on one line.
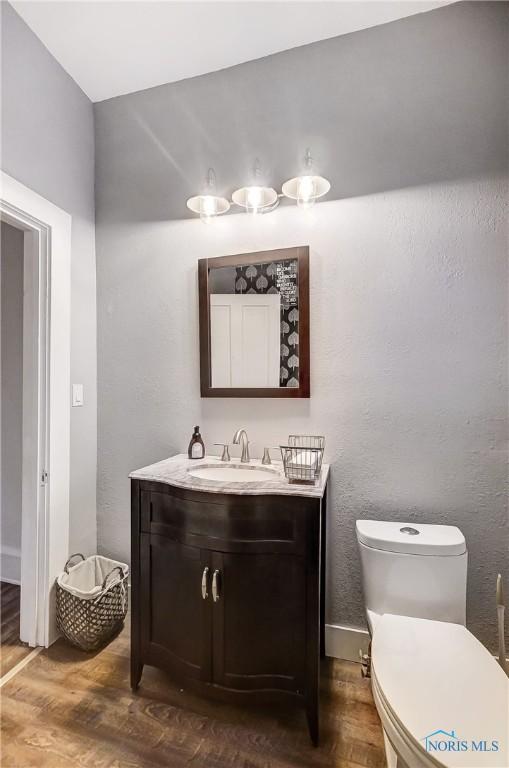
[[409, 530]]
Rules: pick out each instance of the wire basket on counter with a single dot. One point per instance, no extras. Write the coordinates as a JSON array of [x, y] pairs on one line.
[[302, 458]]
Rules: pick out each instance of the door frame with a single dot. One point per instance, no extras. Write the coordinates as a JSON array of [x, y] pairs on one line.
[[46, 406]]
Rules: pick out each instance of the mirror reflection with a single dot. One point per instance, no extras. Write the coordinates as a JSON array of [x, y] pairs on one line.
[[254, 325]]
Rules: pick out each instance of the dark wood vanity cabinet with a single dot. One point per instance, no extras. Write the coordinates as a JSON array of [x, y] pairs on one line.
[[227, 592]]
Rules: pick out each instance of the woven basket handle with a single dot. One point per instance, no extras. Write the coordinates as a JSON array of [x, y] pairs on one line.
[[76, 554], [116, 568]]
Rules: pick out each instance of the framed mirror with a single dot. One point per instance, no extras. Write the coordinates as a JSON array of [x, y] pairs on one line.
[[254, 324]]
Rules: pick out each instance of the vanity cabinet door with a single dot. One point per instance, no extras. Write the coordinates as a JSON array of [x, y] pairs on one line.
[[176, 606], [259, 627]]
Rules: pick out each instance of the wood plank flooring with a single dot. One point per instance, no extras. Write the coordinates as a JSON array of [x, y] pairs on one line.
[[12, 650], [68, 708]]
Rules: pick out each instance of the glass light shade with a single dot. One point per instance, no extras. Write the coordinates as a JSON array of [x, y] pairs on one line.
[[255, 199], [208, 206], [306, 189]]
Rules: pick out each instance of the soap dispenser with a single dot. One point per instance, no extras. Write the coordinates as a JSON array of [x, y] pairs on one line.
[[196, 448]]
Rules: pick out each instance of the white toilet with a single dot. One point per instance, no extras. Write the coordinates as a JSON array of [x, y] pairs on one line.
[[442, 698]]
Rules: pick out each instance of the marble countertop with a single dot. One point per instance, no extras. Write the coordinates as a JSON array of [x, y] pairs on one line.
[[174, 471]]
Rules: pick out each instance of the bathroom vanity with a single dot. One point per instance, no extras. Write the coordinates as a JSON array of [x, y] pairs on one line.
[[228, 580]]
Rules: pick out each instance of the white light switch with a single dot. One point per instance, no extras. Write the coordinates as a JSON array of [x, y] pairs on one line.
[[77, 395]]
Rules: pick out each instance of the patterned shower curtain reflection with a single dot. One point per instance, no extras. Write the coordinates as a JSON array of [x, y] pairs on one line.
[[278, 277]]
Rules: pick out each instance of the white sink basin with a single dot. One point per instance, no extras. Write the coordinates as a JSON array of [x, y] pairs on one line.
[[234, 473]]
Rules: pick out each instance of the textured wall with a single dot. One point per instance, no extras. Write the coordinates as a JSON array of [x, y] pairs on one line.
[[48, 145], [416, 101], [408, 364], [11, 259], [408, 278]]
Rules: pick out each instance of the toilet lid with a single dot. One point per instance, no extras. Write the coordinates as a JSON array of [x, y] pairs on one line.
[[444, 689], [411, 538]]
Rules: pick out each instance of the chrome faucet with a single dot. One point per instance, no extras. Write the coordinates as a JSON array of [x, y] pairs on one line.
[[240, 438]]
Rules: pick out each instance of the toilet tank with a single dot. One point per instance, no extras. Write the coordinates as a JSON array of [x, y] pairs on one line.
[[409, 569]]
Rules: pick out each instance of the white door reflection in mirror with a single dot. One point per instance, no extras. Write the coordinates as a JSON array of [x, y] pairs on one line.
[[245, 340]]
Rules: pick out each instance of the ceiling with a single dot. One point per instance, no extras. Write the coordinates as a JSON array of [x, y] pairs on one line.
[[112, 48]]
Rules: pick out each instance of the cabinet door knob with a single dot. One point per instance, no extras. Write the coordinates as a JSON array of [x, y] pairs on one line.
[[204, 578], [215, 590]]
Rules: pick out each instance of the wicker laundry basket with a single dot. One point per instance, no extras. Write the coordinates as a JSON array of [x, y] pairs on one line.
[[91, 600]]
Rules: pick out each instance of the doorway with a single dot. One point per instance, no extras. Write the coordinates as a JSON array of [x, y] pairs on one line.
[[12, 649], [43, 482]]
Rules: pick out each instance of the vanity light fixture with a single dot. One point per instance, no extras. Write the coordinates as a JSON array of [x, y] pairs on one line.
[[209, 205], [308, 188], [305, 189], [256, 199]]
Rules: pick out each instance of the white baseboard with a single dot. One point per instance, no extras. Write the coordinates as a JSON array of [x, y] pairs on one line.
[[10, 565], [345, 642]]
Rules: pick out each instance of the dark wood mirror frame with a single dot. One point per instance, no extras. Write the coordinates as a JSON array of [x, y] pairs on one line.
[[301, 254]]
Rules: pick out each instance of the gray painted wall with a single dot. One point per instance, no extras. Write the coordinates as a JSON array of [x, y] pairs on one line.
[[48, 145], [408, 277], [415, 101], [11, 276]]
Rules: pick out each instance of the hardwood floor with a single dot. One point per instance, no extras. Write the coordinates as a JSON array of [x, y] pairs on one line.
[[12, 650], [68, 708]]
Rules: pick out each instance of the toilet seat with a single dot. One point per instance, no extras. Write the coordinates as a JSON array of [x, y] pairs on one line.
[[431, 676], [401, 743]]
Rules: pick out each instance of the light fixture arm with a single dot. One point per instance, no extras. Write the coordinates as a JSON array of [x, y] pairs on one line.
[[211, 180]]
